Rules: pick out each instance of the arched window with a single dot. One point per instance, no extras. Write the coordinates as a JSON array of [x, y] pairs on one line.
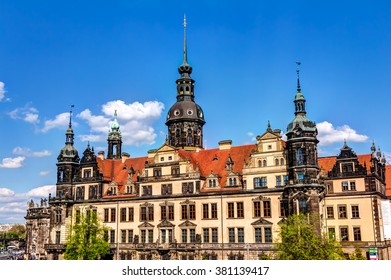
[[302, 206], [299, 156], [230, 181], [277, 161], [210, 183], [259, 163], [264, 163], [214, 183], [282, 161], [234, 182]]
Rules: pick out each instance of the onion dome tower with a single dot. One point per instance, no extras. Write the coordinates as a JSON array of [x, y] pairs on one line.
[[114, 140], [304, 190], [67, 164], [185, 119]]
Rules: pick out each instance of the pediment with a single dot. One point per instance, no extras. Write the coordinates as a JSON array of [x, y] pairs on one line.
[[261, 221], [165, 223], [146, 225], [166, 148], [187, 223]]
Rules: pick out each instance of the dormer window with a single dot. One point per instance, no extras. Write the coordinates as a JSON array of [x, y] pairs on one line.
[[87, 173]]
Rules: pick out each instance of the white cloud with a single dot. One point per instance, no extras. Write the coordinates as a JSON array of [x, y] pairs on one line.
[[2, 91], [60, 121], [12, 162], [4, 192], [27, 113], [42, 191], [13, 205], [388, 157], [28, 153], [44, 173], [135, 121], [328, 134]]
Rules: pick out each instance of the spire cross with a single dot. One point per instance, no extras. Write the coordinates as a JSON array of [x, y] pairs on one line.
[[298, 75]]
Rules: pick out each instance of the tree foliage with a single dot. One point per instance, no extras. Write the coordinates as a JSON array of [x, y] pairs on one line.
[[87, 240], [299, 241]]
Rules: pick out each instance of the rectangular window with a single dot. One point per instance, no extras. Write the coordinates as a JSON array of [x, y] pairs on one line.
[[283, 208], [231, 235], [357, 234], [184, 212], [267, 211], [330, 212], [112, 236], [169, 235], [264, 182], [352, 185], [166, 189], [106, 236], [214, 210], [192, 212], [278, 180], [157, 172], [257, 209], [150, 213], [163, 212], [342, 212], [257, 183], [143, 236], [131, 214], [123, 236], [268, 235], [147, 190], [206, 235], [286, 180], [112, 216], [123, 215], [355, 212], [240, 210], [331, 232], [184, 235], [58, 237], [258, 235], [171, 212], [231, 213], [143, 214], [192, 235], [150, 236], [240, 235], [215, 235], [130, 236], [344, 233], [106, 215], [345, 185], [164, 235], [205, 211]]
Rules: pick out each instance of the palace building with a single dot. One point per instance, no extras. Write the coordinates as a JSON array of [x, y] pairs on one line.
[[183, 202]]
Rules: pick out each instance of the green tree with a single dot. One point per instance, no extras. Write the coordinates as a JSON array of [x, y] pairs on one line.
[[300, 241], [87, 240], [17, 231], [357, 255]]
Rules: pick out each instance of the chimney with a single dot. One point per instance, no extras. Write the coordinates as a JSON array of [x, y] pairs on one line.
[[101, 155], [225, 145], [124, 157]]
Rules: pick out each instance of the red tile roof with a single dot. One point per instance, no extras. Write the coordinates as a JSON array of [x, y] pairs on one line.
[[388, 180], [115, 170], [327, 163], [214, 160]]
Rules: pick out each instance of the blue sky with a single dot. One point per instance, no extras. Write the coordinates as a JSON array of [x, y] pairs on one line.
[[102, 56]]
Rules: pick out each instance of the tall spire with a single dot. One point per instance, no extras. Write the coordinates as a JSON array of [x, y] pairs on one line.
[[184, 41], [70, 116], [298, 75]]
